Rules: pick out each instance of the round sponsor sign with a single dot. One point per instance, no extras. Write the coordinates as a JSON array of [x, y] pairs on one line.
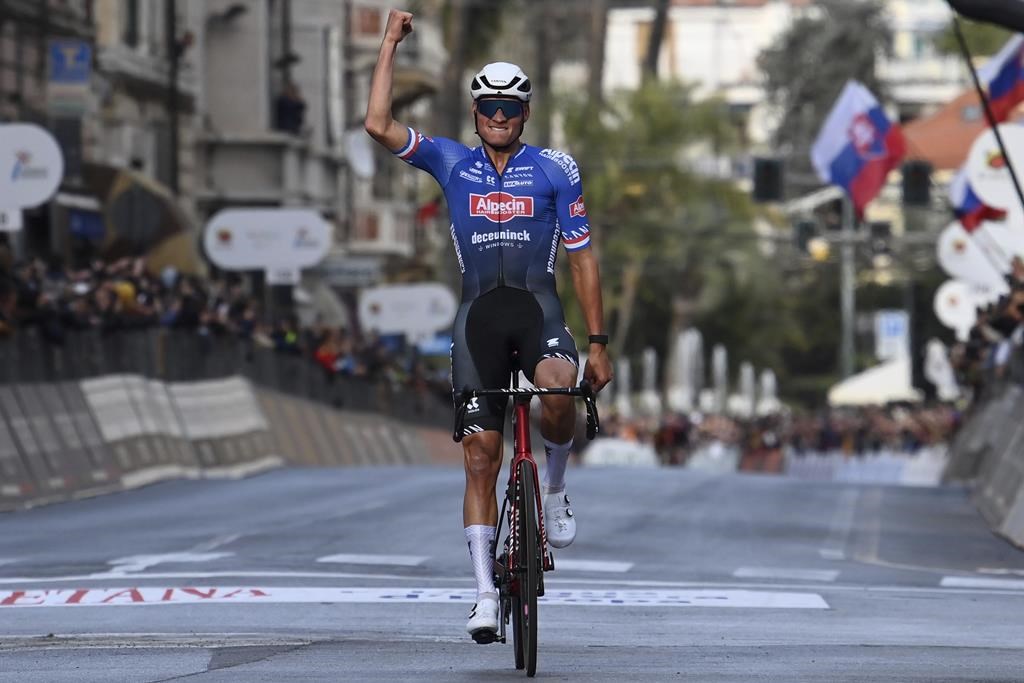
[[956, 302], [987, 170], [249, 239], [969, 257], [31, 165], [416, 310]]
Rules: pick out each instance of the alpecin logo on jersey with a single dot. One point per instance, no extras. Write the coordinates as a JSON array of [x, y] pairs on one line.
[[500, 206], [577, 208]]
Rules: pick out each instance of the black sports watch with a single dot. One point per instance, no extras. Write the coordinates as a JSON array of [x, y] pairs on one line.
[[598, 339]]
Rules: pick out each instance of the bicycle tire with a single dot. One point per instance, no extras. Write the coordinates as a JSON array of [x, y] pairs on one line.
[[529, 563], [517, 638]]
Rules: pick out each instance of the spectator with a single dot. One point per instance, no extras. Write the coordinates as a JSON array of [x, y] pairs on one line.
[[290, 109]]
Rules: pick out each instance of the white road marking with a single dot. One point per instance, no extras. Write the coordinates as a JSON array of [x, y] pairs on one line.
[[7, 560], [834, 547], [784, 573], [107, 641], [140, 563], [549, 580], [1000, 571], [215, 543], [397, 560], [981, 582], [151, 595], [593, 565]]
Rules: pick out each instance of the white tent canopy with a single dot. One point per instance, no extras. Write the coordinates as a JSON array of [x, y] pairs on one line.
[[876, 386]]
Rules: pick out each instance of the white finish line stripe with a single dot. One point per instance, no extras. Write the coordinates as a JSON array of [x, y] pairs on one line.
[[593, 565], [149, 595], [781, 573], [981, 582], [395, 560]]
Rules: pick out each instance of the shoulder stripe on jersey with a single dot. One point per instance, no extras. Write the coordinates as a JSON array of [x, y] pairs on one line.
[[410, 147], [578, 243]]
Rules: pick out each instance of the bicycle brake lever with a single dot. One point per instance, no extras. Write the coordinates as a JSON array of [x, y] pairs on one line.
[[589, 400]]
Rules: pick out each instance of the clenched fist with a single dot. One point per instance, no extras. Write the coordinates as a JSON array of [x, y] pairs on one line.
[[399, 25]]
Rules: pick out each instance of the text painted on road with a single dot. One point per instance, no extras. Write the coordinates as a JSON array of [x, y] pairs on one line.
[[149, 595]]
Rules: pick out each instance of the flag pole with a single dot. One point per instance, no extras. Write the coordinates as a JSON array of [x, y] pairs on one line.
[[847, 291], [989, 116]]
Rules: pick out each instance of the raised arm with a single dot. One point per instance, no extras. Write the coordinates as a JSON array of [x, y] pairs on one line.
[[380, 123]]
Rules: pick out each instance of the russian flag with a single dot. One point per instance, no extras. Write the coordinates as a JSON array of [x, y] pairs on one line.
[[1003, 75], [967, 207], [858, 145]]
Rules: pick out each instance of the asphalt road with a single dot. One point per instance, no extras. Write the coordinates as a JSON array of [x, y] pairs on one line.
[[363, 575]]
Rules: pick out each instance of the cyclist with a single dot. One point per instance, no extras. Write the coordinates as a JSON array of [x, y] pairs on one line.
[[510, 205]]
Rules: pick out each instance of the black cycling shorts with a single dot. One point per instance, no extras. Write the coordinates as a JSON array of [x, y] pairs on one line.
[[487, 331]]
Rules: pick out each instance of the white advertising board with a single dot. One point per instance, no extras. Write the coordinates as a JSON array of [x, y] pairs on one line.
[[31, 165], [416, 310], [263, 239], [892, 334]]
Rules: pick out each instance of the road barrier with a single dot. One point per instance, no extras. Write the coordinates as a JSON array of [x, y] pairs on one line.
[[106, 413], [988, 453], [922, 468]]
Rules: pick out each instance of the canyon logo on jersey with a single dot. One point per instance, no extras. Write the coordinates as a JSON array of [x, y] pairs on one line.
[[500, 206], [577, 208]]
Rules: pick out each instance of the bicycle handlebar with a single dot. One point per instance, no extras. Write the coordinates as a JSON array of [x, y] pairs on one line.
[[584, 391]]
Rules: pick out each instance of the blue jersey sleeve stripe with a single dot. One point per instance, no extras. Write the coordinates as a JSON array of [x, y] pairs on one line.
[[410, 146]]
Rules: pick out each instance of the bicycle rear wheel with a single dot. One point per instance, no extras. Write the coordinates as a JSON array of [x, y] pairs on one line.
[[524, 604]]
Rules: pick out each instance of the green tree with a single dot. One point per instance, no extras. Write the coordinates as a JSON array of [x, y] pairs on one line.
[[982, 39], [666, 234], [806, 68]]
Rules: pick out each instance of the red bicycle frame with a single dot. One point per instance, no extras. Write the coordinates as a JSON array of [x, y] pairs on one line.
[[523, 453]]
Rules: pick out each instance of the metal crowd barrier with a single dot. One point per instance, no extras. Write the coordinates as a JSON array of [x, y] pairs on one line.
[[179, 355]]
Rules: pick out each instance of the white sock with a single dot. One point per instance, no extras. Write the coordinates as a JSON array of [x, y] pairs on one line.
[[558, 458], [479, 537]]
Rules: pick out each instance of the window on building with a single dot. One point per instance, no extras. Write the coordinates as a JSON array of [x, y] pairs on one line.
[[367, 227], [366, 21], [131, 22]]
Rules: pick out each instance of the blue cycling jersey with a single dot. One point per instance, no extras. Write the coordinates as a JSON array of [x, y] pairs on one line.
[[506, 227]]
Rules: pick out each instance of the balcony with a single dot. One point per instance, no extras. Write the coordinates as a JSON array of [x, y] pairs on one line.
[[146, 72], [383, 228], [419, 62], [924, 81], [269, 169]]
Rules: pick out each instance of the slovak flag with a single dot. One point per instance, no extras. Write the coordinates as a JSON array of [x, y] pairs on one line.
[[858, 145], [967, 206], [1003, 75]]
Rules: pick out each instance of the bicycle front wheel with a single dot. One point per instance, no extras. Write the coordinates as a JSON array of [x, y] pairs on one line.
[[528, 565]]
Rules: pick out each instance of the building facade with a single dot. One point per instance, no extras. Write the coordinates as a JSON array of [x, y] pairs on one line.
[[29, 31], [715, 44]]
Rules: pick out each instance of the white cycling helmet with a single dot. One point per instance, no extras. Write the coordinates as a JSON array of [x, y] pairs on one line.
[[501, 79]]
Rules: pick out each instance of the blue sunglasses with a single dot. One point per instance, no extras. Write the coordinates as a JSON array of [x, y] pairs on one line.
[[511, 108]]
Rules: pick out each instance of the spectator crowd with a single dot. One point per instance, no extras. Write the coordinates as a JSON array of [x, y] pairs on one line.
[[851, 431], [993, 351], [121, 296]]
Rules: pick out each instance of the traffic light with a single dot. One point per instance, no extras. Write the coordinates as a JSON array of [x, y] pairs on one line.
[[917, 183], [881, 232], [767, 180], [803, 232]]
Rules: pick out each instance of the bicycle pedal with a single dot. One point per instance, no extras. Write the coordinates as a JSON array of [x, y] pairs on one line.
[[485, 636]]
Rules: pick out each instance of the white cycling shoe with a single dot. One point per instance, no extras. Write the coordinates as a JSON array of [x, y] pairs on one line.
[[559, 522], [483, 621]]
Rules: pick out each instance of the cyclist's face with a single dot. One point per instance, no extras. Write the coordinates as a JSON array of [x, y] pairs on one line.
[[501, 130]]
